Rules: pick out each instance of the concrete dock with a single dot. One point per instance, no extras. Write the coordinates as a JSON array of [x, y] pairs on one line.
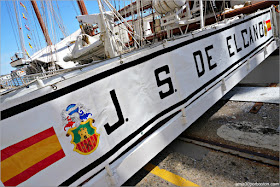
[[205, 165]]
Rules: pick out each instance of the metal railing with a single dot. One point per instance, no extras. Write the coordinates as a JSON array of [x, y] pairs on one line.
[[15, 81], [12, 82]]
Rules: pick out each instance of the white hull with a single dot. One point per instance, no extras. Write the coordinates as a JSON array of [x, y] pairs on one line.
[[159, 90]]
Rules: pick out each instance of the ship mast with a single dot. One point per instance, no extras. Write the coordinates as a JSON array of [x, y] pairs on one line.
[[42, 24], [82, 7], [20, 31]]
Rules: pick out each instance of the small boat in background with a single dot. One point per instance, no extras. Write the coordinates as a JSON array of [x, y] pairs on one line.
[[18, 60]]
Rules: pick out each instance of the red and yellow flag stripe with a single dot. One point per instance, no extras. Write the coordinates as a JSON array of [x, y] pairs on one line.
[[24, 159], [268, 24]]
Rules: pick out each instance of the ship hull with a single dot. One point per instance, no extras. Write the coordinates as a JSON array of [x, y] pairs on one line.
[[156, 93]]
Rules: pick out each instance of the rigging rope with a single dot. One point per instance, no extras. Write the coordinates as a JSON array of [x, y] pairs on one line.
[[12, 23], [75, 8], [61, 21], [31, 31], [54, 30], [276, 9], [50, 57], [35, 22], [35, 42], [50, 13], [20, 28], [44, 15]]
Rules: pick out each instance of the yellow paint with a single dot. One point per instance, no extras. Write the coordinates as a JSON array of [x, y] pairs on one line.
[[265, 29], [26, 158], [168, 176], [268, 25]]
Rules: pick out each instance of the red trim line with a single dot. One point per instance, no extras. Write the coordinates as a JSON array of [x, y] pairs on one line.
[[26, 174], [13, 149]]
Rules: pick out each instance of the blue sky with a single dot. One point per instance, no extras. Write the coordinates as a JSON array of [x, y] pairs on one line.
[[10, 34]]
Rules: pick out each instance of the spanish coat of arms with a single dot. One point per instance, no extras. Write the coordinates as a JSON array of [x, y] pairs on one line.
[[80, 127]]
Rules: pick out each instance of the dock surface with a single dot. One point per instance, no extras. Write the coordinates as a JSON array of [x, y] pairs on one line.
[[227, 146]]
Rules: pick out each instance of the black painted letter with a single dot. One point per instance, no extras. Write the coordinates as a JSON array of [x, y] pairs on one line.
[[255, 29], [109, 129], [195, 54], [164, 81], [237, 49], [229, 46], [251, 36], [209, 58], [242, 33], [261, 30]]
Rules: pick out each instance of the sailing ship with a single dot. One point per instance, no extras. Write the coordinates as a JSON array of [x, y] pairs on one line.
[[48, 58], [146, 72]]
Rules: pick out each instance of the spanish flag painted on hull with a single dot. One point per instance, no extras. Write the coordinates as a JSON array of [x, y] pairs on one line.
[[268, 24], [24, 159]]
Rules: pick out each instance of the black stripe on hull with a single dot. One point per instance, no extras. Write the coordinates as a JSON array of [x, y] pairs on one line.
[[148, 123], [78, 85]]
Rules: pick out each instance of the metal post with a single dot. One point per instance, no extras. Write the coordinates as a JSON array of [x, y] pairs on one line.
[[224, 2], [201, 14], [139, 21]]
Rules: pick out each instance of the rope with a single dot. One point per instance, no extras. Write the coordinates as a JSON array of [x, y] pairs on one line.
[[35, 42], [154, 23], [61, 20], [122, 23], [44, 15], [19, 27], [55, 33], [276, 9], [35, 23], [12, 23], [120, 35], [31, 30], [51, 16], [18, 13], [213, 10], [75, 8], [107, 26], [51, 64]]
